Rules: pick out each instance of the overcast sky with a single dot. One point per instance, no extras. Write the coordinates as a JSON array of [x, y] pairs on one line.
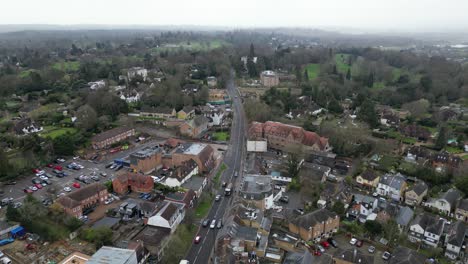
[[407, 15]]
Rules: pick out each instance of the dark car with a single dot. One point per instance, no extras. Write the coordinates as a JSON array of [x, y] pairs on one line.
[[332, 242], [219, 224], [206, 222], [359, 243], [36, 181], [284, 199], [56, 171], [48, 182], [109, 165]]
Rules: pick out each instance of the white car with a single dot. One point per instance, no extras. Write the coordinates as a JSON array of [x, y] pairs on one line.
[[213, 224], [42, 177], [67, 189], [353, 241]]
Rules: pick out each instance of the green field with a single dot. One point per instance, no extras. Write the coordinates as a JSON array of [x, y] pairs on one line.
[[341, 61], [53, 132], [25, 74], [313, 70], [67, 66], [221, 136], [192, 46]]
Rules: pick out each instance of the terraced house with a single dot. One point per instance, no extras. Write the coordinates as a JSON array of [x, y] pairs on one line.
[[109, 137], [87, 197], [316, 225]]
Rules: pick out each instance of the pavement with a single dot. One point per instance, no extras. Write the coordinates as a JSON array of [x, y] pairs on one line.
[[202, 252]]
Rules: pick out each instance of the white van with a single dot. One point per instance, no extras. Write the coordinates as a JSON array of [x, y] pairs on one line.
[[6, 260]]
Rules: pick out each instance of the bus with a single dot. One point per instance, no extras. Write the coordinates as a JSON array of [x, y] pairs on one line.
[[228, 190]]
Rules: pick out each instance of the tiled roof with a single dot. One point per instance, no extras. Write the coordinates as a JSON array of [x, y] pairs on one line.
[[313, 218], [419, 188], [369, 175], [86, 192], [169, 211], [110, 133], [403, 255]]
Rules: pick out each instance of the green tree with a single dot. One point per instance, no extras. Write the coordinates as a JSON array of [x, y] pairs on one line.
[[306, 75], [462, 184], [293, 165], [441, 140], [86, 118], [348, 74], [373, 227], [368, 114], [338, 208]]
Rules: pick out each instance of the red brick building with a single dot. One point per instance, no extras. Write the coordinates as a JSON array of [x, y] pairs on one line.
[[285, 137], [89, 196], [134, 182], [109, 137], [146, 160], [202, 154], [316, 225]]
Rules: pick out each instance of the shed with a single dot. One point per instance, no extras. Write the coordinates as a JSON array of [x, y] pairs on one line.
[[18, 232]]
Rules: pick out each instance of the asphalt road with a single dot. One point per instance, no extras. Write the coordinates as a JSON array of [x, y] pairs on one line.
[[201, 253]]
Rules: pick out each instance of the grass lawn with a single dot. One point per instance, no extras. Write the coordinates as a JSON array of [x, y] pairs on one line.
[[219, 173], [67, 66], [388, 162], [53, 132], [25, 74], [465, 157], [313, 70], [221, 136], [453, 150], [203, 206], [378, 85], [341, 61]]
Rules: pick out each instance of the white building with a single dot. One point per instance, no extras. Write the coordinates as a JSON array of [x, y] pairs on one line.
[[97, 85], [446, 202], [169, 216], [454, 240], [131, 98], [182, 174], [392, 186], [427, 229], [131, 73]]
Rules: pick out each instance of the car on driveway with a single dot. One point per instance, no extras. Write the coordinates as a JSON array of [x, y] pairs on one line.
[[386, 255], [197, 239], [371, 249], [359, 243], [67, 189], [76, 185], [353, 241], [206, 222]]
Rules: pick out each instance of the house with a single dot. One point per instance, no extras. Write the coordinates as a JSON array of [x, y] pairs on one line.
[[445, 159], [86, 197], [362, 207], [404, 255], [415, 131], [134, 182], [155, 240], [170, 215], [461, 213], [112, 136], [75, 258], [130, 96], [196, 183], [211, 81], [368, 178], [351, 256], [146, 160], [418, 154], [186, 198], [455, 240], [26, 126], [202, 154], [389, 119], [392, 186], [269, 78], [215, 117], [195, 127], [426, 228], [160, 112], [388, 212], [137, 71], [181, 173], [135, 253], [316, 225], [416, 193], [286, 137], [322, 158], [315, 171], [404, 217], [187, 112], [97, 85], [258, 190], [446, 202]]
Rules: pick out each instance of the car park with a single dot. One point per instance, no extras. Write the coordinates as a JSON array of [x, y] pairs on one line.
[[386, 255], [213, 224], [206, 222], [197, 239], [371, 249]]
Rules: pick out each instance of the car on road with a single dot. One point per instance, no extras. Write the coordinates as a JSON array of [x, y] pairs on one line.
[[386, 255], [76, 185], [371, 249], [236, 174], [325, 244], [218, 197], [206, 222], [219, 224], [38, 185], [353, 241], [27, 190], [197, 239], [213, 224], [321, 248], [359, 243], [332, 242], [67, 189]]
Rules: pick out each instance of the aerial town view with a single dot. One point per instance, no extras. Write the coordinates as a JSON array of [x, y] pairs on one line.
[[246, 132]]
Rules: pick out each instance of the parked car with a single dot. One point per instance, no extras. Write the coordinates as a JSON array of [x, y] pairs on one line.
[[42, 177], [76, 185], [67, 189], [353, 241], [56, 171], [299, 211], [35, 170], [95, 178], [320, 248], [58, 167], [359, 243], [317, 253], [386, 255], [371, 249], [333, 242], [197, 239], [35, 181], [206, 222], [224, 184], [218, 197], [60, 160], [325, 244], [50, 165], [27, 190], [213, 224], [38, 186], [103, 174], [284, 199]]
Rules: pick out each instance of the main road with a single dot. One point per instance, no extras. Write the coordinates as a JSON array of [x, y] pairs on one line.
[[234, 156]]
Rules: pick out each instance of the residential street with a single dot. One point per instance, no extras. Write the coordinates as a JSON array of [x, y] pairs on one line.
[[200, 253]]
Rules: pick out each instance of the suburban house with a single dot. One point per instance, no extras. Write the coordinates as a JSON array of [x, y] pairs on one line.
[[368, 178], [97, 85], [186, 198], [404, 255], [134, 182], [415, 194], [462, 211], [235, 240], [109, 137], [446, 202], [315, 171], [211, 81], [316, 225], [169, 216], [404, 217], [362, 207], [160, 112], [147, 159], [196, 183], [89, 196], [26, 126], [269, 78], [286, 137], [388, 212], [392, 186], [215, 117], [258, 190], [195, 127], [202, 154], [454, 240], [181, 173], [426, 228], [415, 131], [137, 71], [351, 256], [187, 112]]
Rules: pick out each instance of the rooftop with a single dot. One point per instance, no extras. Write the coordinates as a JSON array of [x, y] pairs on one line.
[[112, 255], [191, 148], [110, 133], [194, 183], [256, 183], [146, 152]]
